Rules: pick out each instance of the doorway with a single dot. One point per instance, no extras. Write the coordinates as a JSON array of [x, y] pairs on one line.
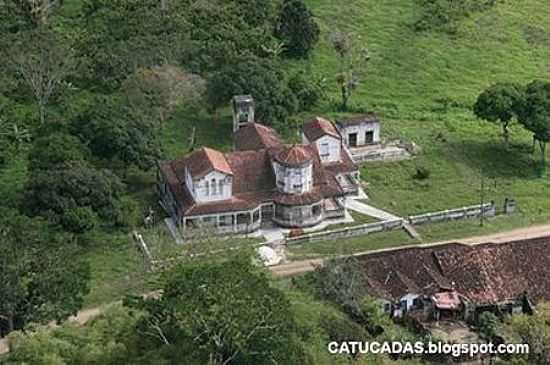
[[369, 137], [352, 139]]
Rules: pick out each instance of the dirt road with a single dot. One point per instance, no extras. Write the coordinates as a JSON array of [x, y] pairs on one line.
[[300, 267]]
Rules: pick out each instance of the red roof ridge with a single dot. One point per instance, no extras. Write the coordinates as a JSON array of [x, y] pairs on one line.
[[206, 159], [318, 127]]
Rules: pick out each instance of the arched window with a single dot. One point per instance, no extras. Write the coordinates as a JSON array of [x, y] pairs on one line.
[[213, 186]]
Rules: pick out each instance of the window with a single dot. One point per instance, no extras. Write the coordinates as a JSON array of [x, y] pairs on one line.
[[298, 187], [207, 190], [213, 186], [220, 187], [324, 151], [226, 220]]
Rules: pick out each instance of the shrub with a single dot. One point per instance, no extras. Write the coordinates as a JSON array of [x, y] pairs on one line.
[[444, 14], [422, 173]]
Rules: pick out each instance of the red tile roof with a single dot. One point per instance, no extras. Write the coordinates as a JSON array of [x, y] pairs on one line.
[[447, 300], [256, 136], [484, 274], [318, 127], [253, 183], [204, 160], [295, 155]]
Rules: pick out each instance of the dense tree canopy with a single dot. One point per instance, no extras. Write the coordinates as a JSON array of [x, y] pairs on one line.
[[261, 78], [534, 112], [296, 28], [225, 313], [499, 104], [74, 195], [42, 277], [119, 133], [159, 90]]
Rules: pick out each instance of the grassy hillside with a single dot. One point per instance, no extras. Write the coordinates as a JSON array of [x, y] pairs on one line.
[[423, 85]]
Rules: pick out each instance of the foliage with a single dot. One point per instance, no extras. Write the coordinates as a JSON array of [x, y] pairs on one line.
[[73, 194], [142, 37], [499, 104], [534, 113], [220, 313], [43, 60], [422, 173], [353, 58], [296, 28], [343, 282], [108, 340], [119, 133], [261, 78], [159, 90], [488, 325], [49, 151], [41, 276], [308, 90], [535, 331], [444, 14]]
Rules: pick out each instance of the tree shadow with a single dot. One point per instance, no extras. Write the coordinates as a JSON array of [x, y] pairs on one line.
[[495, 160]]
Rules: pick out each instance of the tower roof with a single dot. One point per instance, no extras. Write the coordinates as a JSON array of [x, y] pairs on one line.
[[255, 136], [295, 155]]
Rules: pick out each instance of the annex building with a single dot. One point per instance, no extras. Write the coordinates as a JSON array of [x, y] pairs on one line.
[[263, 180]]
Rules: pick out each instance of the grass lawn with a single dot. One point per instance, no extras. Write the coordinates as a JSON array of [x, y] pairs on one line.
[[345, 247], [117, 268], [423, 84]]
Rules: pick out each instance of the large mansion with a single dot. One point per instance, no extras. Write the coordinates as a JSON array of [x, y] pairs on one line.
[[262, 180]]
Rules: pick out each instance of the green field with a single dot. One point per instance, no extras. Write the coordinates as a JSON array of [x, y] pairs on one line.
[[422, 84]]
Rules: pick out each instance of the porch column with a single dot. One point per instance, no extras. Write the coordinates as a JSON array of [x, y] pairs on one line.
[[234, 222]]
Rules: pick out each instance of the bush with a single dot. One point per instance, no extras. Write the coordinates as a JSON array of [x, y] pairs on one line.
[[444, 14], [340, 328], [422, 173], [297, 28], [307, 89]]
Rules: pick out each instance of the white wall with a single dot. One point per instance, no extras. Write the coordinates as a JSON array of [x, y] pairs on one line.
[[409, 299], [329, 148], [212, 187], [293, 180], [361, 130]]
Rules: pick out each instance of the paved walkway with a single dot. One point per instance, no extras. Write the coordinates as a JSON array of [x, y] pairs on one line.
[[369, 210]]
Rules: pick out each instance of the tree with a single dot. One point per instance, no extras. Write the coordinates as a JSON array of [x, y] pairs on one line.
[[111, 53], [43, 61], [109, 339], [261, 78], [50, 151], [535, 331], [296, 28], [353, 59], [534, 113], [117, 132], [161, 89], [499, 104], [220, 313], [488, 325], [42, 277], [74, 195], [343, 282], [308, 90]]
